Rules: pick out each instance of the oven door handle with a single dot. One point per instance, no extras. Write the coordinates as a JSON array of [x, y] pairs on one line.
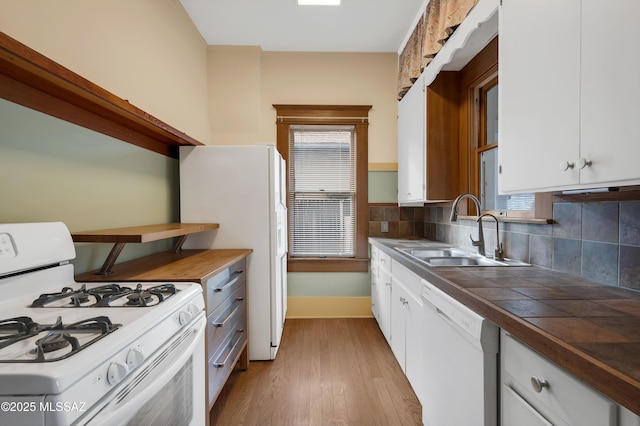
[[120, 414]]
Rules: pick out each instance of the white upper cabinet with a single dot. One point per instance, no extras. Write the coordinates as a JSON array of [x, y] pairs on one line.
[[569, 90], [412, 115], [610, 92]]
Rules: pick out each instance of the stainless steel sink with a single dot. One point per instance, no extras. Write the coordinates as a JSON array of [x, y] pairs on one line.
[[451, 256], [460, 261]]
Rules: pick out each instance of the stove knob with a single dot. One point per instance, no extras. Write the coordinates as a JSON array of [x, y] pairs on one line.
[[194, 310], [184, 317], [135, 357], [117, 371]]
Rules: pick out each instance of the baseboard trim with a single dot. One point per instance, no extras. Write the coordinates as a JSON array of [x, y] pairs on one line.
[[329, 307]]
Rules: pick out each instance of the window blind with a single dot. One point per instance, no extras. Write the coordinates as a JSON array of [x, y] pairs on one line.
[[322, 190]]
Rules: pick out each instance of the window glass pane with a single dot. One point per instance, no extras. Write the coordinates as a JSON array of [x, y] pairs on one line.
[[322, 190]]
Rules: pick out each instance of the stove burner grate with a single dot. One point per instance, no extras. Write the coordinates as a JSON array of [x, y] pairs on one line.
[[106, 296], [58, 336]]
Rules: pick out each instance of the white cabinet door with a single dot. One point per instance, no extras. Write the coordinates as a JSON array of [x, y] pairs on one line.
[[384, 305], [398, 322], [539, 93], [414, 356], [412, 117], [407, 325], [375, 294], [517, 411], [610, 80]]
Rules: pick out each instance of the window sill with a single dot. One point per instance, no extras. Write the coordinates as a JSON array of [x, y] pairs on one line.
[[335, 264], [507, 219]]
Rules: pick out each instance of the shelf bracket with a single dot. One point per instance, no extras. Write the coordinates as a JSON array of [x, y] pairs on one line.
[[178, 247], [111, 259]]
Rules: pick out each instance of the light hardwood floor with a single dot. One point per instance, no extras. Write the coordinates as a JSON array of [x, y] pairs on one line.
[[327, 372]]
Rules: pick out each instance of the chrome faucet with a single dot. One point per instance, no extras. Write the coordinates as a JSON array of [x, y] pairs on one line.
[[454, 217], [498, 252]]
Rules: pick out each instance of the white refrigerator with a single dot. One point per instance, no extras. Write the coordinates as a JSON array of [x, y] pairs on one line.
[[243, 189]]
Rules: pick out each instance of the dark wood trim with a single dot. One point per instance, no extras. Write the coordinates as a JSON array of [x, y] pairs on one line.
[[328, 265], [35, 81], [326, 114], [442, 150]]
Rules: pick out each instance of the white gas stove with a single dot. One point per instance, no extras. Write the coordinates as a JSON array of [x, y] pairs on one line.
[[94, 353]]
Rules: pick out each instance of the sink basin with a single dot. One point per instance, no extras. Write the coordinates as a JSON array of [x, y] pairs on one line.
[[461, 261], [428, 253], [451, 256]]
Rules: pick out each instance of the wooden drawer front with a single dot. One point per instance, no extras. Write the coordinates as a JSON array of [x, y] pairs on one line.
[[219, 287], [223, 359], [566, 399], [229, 316]]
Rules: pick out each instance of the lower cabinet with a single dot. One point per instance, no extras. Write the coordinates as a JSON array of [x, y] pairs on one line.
[[406, 320], [226, 306], [536, 391]]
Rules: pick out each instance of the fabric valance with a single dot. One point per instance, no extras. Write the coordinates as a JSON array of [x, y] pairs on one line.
[[435, 26]]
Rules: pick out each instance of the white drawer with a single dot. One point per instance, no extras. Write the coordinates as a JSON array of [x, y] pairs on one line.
[[565, 399], [411, 281]]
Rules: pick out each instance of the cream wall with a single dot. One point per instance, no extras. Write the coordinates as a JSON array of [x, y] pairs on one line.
[[246, 82], [145, 51]]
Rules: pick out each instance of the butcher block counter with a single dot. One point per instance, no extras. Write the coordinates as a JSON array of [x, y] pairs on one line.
[[186, 265], [590, 330]]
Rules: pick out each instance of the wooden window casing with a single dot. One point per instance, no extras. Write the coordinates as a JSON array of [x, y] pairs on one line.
[[356, 115]]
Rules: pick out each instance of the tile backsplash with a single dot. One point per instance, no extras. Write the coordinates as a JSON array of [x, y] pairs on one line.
[[599, 241]]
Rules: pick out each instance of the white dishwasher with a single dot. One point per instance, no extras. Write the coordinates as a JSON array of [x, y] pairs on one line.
[[460, 363]]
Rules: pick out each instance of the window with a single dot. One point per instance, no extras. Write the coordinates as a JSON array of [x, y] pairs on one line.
[[325, 148], [322, 190]]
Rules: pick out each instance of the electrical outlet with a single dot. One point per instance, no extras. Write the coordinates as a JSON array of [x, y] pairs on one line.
[[384, 226]]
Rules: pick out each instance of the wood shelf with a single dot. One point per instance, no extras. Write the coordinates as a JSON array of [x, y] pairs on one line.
[[35, 81], [139, 234], [142, 234]]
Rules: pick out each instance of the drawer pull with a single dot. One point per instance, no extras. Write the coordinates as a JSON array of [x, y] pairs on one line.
[[228, 284], [231, 315], [233, 347], [538, 384]]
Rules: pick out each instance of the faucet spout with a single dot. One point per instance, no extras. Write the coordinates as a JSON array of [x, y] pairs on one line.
[[454, 217], [498, 252]]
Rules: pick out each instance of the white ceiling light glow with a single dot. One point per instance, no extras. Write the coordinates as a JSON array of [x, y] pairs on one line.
[[319, 2]]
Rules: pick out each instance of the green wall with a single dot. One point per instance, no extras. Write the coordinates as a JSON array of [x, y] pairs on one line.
[[51, 170]]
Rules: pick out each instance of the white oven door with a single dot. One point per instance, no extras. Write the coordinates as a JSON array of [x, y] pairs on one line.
[[168, 389]]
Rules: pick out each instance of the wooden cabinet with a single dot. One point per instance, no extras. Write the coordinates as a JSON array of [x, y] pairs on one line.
[[568, 94], [428, 141], [536, 391]]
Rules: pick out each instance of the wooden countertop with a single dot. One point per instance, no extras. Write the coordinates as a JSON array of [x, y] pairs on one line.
[[187, 265], [591, 330]]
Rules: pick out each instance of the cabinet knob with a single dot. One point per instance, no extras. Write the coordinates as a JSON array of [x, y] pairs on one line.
[[565, 165], [538, 384], [582, 163]]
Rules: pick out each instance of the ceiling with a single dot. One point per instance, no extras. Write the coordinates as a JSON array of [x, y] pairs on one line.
[[282, 25]]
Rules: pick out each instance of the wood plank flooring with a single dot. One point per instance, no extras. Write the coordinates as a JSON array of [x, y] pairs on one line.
[[327, 372]]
